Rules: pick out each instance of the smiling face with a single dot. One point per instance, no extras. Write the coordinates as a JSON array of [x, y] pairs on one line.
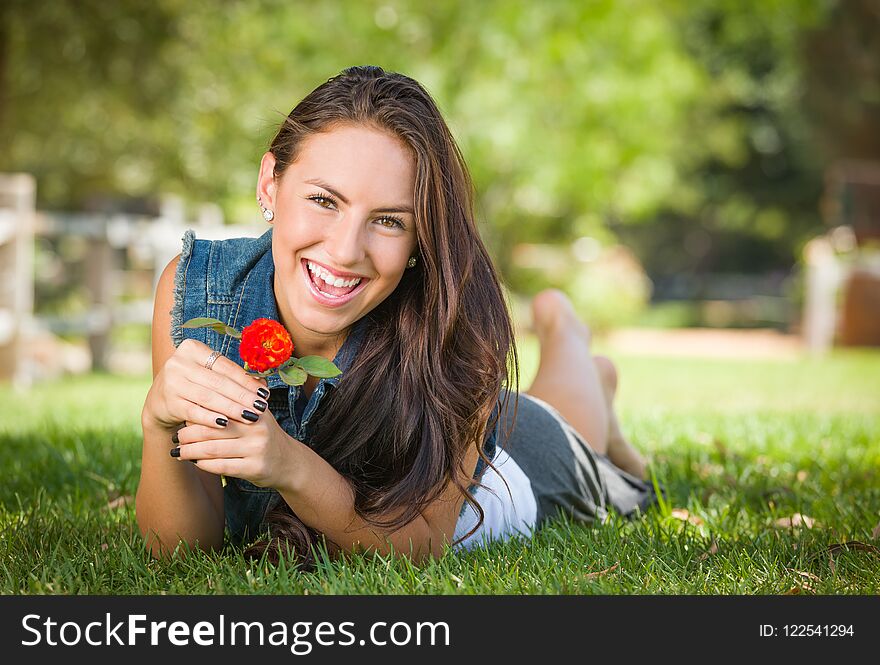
[[343, 211]]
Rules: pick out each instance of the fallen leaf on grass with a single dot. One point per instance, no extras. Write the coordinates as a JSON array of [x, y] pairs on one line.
[[795, 521], [853, 545], [831, 550], [704, 470], [120, 502], [601, 572], [805, 585], [713, 549], [683, 515]]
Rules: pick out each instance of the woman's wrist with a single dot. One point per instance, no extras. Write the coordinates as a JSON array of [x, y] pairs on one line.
[[293, 467], [152, 426]]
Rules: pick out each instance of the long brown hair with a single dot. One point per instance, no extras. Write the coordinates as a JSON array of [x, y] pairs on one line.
[[435, 354]]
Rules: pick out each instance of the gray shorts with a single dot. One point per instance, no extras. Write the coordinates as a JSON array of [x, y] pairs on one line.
[[565, 472]]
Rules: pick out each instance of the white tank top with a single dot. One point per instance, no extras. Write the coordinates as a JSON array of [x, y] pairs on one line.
[[506, 514]]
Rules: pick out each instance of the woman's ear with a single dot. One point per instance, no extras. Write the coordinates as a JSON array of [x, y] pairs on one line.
[[267, 186]]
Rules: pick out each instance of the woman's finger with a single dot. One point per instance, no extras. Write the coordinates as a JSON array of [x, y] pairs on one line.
[[222, 467], [215, 449], [198, 414], [194, 433], [221, 367], [242, 406]]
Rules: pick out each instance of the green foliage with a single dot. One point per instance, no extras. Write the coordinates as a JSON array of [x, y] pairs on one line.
[[293, 375], [571, 115], [318, 366], [214, 324]]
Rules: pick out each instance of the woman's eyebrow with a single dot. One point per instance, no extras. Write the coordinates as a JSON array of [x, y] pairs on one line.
[[337, 194]]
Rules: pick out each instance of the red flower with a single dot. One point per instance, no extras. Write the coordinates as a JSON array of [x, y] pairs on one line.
[[265, 344]]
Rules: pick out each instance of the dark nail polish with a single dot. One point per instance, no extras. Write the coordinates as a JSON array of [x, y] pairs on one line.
[[260, 405], [249, 415], [175, 438], [263, 392], [221, 421], [175, 452]]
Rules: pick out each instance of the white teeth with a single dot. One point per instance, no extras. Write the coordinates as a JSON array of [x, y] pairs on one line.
[[330, 279]]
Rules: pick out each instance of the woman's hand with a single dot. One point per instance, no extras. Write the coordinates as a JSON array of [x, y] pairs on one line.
[[260, 452], [186, 392]]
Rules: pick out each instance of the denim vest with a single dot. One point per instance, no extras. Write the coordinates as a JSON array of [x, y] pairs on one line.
[[232, 280]]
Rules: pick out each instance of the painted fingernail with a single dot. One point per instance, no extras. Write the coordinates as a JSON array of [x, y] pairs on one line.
[[249, 415], [175, 452], [260, 405], [221, 421], [175, 438], [263, 392]]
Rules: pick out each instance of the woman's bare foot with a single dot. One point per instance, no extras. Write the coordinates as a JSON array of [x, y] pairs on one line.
[[554, 315]]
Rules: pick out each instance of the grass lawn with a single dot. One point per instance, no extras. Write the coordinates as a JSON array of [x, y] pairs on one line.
[[742, 446]]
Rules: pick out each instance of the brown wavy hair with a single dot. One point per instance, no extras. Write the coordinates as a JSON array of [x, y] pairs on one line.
[[436, 350]]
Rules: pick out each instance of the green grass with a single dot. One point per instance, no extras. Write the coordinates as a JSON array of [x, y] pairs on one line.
[[738, 444]]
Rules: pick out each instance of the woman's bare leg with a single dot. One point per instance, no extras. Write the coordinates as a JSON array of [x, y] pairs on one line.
[[577, 384], [620, 451]]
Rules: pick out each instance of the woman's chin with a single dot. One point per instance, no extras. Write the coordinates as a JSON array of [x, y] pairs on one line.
[[312, 316]]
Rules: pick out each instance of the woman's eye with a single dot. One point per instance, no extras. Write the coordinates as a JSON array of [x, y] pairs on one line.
[[323, 201], [391, 223]]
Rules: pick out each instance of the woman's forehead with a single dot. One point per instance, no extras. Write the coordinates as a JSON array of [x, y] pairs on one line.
[[361, 163]]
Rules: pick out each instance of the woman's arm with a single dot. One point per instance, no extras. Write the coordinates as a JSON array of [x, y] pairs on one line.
[[174, 502], [180, 502], [323, 499]]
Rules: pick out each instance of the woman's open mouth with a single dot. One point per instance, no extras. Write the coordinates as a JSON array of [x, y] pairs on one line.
[[327, 294]]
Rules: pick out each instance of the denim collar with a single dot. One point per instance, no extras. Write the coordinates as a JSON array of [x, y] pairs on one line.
[[258, 301]]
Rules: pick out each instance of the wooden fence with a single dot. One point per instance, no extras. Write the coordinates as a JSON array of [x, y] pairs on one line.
[[114, 247], [17, 200]]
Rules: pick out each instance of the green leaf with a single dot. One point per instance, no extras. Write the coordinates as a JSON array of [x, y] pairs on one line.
[[293, 376], [214, 324], [203, 322], [319, 367]]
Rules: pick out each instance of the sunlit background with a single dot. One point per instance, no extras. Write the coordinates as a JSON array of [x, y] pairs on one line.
[[701, 177]]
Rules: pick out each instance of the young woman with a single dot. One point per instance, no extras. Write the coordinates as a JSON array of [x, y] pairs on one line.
[[373, 260]]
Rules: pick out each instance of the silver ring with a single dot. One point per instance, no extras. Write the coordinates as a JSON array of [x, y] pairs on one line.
[[209, 363]]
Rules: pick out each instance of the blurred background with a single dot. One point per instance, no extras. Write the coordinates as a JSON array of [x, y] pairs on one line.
[[701, 177]]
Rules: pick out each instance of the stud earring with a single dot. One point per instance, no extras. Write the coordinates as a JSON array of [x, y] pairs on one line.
[[412, 262], [268, 215]]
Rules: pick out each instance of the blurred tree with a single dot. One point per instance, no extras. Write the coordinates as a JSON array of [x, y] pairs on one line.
[[790, 93], [678, 125], [843, 81], [84, 96]]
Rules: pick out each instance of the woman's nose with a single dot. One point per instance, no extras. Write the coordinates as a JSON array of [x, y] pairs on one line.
[[344, 243]]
